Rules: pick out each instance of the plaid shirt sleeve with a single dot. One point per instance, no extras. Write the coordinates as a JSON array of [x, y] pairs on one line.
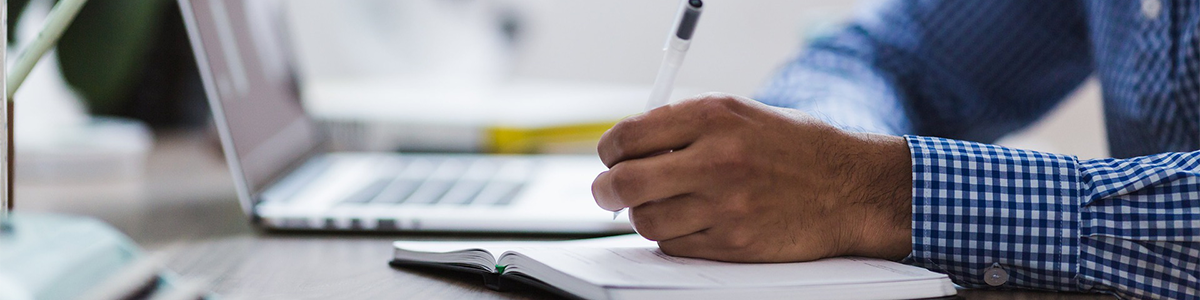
[[988, 215], [1044, 221], [971, 70]]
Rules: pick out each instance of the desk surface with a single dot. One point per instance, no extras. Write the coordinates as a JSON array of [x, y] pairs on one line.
[[185, 209]]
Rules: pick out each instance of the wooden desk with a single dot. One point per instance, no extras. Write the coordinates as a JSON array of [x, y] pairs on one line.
[[186, 210]]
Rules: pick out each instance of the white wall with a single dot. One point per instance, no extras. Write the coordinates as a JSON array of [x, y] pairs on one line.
[[738, 45]]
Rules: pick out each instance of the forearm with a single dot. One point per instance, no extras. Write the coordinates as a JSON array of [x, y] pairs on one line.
[[1045, 221], [881, 186]]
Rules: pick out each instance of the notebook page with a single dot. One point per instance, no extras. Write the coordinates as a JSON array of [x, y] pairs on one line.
[[498, 247], [648, 267], [493, 248]]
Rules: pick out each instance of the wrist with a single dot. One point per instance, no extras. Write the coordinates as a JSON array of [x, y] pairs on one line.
[[882, 197]]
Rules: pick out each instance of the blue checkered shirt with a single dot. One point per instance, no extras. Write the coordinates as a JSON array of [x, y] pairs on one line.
[[955, 75]]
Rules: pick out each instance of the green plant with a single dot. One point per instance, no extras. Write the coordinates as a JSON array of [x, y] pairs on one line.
[[103, 53]]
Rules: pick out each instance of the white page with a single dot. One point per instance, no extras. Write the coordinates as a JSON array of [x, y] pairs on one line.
[[498, 247], [648, 267], [631, 261], [495, 248]]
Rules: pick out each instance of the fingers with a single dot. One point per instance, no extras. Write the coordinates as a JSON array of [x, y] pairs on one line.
[[695, 245], [671, 127], [660, 130], [672, 217], [634, 182], [719, 244]]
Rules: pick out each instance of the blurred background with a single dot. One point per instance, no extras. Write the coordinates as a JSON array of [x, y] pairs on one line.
[[117, 116]]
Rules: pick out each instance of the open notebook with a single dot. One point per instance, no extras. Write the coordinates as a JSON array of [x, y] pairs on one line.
[[630, 267]]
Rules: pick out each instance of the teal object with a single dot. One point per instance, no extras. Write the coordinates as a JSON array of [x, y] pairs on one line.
[[46, 256]]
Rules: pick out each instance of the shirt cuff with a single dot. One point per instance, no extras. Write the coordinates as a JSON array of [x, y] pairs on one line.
[[982, 210]]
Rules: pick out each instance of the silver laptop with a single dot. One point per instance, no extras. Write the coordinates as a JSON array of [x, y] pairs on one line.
[[286, 179]]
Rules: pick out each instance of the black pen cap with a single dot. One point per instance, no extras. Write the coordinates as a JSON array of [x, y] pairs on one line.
[[687, 24]]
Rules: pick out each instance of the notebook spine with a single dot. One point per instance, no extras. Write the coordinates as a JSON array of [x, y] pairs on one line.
[[490, 280], [514, 282]]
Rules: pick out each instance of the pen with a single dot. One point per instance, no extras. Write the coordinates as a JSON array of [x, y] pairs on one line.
[[679, 39], [678, 42]]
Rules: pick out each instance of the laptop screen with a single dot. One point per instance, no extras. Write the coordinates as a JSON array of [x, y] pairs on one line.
[[244, 64]]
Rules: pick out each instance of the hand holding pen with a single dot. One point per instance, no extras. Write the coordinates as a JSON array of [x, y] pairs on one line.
[[678, 42]]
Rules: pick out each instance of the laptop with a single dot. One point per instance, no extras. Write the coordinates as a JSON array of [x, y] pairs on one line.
[[286, 178]]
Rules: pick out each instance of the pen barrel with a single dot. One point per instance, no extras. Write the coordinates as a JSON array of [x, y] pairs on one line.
[[665, 81]]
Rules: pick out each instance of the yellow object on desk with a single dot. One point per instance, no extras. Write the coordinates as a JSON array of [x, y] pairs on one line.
[[564, 138]]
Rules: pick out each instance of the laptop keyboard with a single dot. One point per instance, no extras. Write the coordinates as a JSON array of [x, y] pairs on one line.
[[447, 181]]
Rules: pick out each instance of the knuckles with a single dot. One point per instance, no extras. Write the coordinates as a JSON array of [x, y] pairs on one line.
[[718, 98], [714, 107], [716, 110], [724, 102], [733, 154], [737, 205], [611, 147], [731, 160]]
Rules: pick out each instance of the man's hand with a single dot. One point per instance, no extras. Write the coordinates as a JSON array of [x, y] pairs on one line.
[[727, 178]]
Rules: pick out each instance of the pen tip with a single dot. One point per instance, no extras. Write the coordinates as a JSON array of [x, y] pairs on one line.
[[696, 3]]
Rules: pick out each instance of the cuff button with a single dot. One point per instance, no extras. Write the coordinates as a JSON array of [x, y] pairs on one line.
[[1151, 9], [995, 275]]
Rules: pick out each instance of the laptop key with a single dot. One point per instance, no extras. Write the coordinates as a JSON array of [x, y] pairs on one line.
[[439, 182], [511, 195], [463, 193], [419, 167], [429, 192], [481, 169], [516, 170], [398, 191], [368, 192], [493, 192]]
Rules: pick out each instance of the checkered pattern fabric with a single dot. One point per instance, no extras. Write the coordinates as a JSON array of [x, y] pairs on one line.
[[954, 75]]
